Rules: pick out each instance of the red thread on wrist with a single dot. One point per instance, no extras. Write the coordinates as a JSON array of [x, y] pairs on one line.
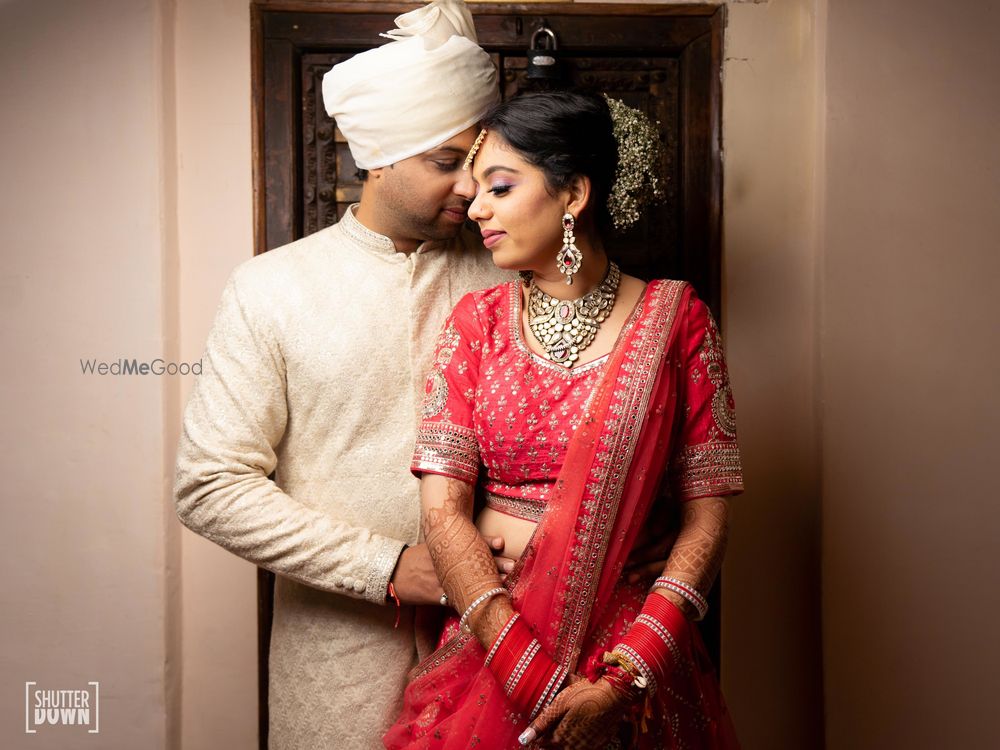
[[392, 595]]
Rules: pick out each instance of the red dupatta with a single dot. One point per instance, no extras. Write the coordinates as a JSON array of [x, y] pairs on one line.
[[567, 575]]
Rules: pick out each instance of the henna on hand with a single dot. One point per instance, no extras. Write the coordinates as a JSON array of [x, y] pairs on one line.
[[584, 715], [696, 557], [461, 557]]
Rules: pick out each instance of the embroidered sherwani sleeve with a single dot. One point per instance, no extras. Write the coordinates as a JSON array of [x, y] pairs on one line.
[[446, 440], [236, 416], [706, 460]]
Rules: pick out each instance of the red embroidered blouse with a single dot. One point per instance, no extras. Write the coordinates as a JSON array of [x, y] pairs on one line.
[[496, 412]]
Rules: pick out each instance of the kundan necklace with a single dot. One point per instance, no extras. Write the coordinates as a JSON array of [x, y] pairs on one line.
[[565, 327]]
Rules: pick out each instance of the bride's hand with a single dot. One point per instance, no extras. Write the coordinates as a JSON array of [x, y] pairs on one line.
[[584, 715]]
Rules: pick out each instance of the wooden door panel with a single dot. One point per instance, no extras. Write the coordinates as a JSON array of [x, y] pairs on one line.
[[329, 178]]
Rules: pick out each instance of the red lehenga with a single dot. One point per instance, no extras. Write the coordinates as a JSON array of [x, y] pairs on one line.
[[585, 452]]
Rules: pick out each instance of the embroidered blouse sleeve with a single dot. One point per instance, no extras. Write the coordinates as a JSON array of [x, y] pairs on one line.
[[446, 440], [706, 460]]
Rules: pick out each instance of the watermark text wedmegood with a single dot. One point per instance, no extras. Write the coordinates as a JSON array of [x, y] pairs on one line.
[[135, 367], [62, 707]]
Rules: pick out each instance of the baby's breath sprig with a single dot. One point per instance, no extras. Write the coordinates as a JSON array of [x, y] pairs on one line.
[[640, 156]]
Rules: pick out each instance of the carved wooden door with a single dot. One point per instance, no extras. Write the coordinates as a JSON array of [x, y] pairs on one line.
[[663, 60]]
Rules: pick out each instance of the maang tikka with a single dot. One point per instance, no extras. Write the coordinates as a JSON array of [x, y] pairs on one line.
[[569, 259]]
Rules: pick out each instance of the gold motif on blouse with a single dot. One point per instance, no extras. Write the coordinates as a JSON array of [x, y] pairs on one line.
[[436, 392], [723, 407]]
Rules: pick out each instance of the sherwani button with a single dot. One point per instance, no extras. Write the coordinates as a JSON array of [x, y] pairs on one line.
[[338, 582], [359, 586], [348, 583]]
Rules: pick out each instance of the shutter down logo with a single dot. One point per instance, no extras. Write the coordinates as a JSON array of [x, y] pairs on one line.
[[62, 707]]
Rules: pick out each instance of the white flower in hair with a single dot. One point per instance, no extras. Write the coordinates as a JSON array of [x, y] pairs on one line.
[[640, 157]]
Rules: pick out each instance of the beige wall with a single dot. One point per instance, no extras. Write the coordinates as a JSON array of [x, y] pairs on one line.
[[89, 553], [860, 176], [911, 578], [215, 231], [772, 673]]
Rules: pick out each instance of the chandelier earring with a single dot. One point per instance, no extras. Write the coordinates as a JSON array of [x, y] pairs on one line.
[[569, 258]]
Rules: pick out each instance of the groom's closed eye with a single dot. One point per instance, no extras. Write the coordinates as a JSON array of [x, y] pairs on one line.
[[446, 166]]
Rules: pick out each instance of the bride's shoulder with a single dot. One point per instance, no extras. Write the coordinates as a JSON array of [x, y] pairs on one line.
[[486, 304], [655, 289], [673, 300], [672, 288], [490, 297]]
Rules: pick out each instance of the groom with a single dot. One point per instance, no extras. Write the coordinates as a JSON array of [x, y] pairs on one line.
[[314, 370]]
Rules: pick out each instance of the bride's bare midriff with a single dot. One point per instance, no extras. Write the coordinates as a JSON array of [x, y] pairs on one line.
[[516, 532]]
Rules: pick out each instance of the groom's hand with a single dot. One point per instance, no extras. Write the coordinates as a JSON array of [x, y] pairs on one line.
[[416, 581]]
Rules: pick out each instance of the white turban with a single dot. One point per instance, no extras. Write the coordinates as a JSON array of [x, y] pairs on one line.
[[431, 82]]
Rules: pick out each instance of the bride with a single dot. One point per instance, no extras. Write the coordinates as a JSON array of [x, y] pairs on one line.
[[586, 405]]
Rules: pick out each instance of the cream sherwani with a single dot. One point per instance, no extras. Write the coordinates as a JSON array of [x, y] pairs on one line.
[[314, 370]]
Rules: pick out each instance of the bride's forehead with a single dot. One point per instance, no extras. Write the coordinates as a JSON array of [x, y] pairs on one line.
[[494, 144], [496, 152]]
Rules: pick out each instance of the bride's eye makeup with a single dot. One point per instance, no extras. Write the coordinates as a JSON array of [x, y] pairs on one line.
[[504, 176]]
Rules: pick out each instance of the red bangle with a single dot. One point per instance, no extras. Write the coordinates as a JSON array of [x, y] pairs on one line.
[[653, 638], [526, 690], [686, 591], [500, 637], [514, 644], [524, 670], [668, 613]]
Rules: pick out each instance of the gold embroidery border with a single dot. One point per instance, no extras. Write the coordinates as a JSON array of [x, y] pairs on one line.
[[518, 507], [708, 469], [446, 448], [633, 391]]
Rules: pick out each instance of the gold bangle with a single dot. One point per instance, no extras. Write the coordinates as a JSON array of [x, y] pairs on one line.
[[618, 659]]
